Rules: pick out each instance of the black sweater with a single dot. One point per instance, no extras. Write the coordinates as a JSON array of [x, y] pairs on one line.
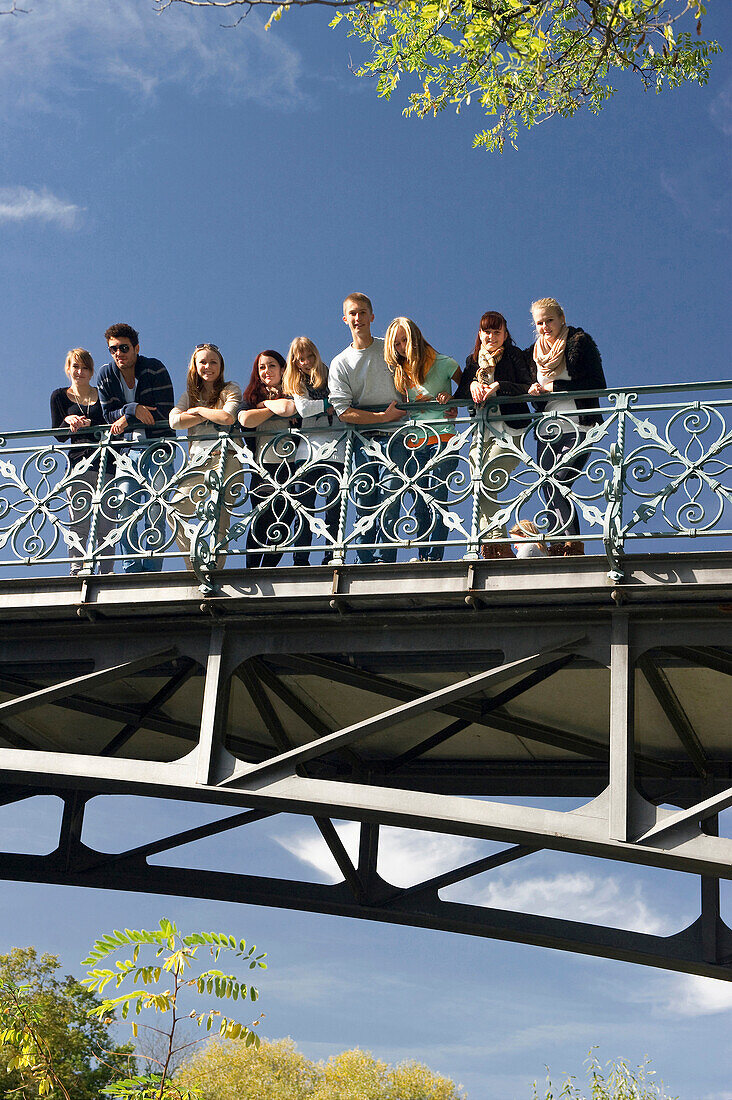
[[584, 367], [61, 407], [513, 375]]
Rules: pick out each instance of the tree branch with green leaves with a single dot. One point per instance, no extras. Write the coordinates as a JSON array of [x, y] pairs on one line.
[[522, 61], [162, 986]]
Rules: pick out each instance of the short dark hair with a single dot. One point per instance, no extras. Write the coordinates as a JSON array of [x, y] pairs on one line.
[[121, 331]]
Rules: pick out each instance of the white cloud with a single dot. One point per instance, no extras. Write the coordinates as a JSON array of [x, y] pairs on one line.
[[595, 899], [684, 995], [720, 110], [694, 995], [22, 204], [65, 48]]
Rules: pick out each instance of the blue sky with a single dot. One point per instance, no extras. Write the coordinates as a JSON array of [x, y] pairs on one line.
[[231, 186]]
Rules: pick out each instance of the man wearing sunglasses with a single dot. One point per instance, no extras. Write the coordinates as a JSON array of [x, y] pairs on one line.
[[137, 396]]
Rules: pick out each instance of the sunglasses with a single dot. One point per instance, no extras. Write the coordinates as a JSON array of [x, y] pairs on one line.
[[212, 347], [123, 348]]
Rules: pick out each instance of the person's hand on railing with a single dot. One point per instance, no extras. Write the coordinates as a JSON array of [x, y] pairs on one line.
[[480, 392], [391, 413], [144, 413], [77, 422]]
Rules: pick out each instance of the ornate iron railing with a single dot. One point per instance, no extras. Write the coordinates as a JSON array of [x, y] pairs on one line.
[[656, 467]]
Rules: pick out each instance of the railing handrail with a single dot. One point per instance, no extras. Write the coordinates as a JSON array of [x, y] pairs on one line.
[[649, 468]]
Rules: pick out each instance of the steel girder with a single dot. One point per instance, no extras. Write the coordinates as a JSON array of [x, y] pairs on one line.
[[357, 772]]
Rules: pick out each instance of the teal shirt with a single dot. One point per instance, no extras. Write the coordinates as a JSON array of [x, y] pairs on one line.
[[438, 380]]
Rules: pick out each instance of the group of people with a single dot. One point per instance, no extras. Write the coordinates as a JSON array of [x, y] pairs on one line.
[[371, 384]]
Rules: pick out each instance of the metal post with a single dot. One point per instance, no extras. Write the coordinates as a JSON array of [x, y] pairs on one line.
[[339, 551], [472, 549], [211, 752], [622, 703]]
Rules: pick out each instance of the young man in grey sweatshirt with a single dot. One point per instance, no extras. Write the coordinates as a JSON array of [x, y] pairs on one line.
[[359, 377]]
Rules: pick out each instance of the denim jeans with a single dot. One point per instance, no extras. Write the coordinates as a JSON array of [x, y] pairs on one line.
[[432, 486], [146, 534], [370, 489]]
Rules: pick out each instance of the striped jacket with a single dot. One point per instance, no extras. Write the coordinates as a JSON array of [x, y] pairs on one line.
[[152, 387]]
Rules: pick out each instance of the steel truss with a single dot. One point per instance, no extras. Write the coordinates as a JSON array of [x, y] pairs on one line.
[[261, 741]]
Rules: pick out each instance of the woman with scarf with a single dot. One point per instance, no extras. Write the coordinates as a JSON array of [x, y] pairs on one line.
[[496, 368], [306, 381], [266, 410], [566, 361]]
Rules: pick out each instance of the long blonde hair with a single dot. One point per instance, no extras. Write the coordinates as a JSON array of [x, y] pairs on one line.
[[410, 370], [527, 529], [195, 384], [294, 381]]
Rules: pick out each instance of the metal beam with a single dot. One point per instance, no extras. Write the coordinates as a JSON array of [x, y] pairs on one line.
[[712, 927], [381, 722], [167, 691], [471, 712], [343, 860], [299, 707], [675, 713], [701, 811], [264, 707], [528, 682], [90, 679], [718, 660], [534, 678], [178, 840], [622, 734], [429, 743], [468, 870], [83, 704], [214, 711], [283, 742], [681, 952]]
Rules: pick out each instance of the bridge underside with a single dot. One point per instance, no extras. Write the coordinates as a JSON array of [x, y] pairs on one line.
[[420, 697]]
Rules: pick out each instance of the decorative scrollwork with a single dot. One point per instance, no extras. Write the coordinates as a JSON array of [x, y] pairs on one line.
[[424, 487]]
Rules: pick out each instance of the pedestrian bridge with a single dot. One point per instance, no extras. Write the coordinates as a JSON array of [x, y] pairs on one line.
[[578, 704]]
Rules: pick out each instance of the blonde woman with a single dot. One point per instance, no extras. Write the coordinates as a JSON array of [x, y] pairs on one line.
[[306, 381], [529, 543], [423, 375], [76, 408], [209, 404], [566, 361]]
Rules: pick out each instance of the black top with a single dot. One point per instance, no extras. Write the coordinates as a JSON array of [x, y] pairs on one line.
[[61, 407], [513, 375], [584, 367]]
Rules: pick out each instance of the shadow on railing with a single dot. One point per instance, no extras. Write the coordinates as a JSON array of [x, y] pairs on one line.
[[656, 467]]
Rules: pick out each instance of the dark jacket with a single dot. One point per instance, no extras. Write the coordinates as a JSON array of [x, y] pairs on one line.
[[584, 367], [513, 375], [152, 387]]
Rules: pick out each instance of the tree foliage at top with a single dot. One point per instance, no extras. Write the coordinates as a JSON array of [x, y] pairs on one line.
[[60, 1010], [277, 1071], [522, 61]]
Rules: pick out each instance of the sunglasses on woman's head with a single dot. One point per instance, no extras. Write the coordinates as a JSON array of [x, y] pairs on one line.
[[212, 347]]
